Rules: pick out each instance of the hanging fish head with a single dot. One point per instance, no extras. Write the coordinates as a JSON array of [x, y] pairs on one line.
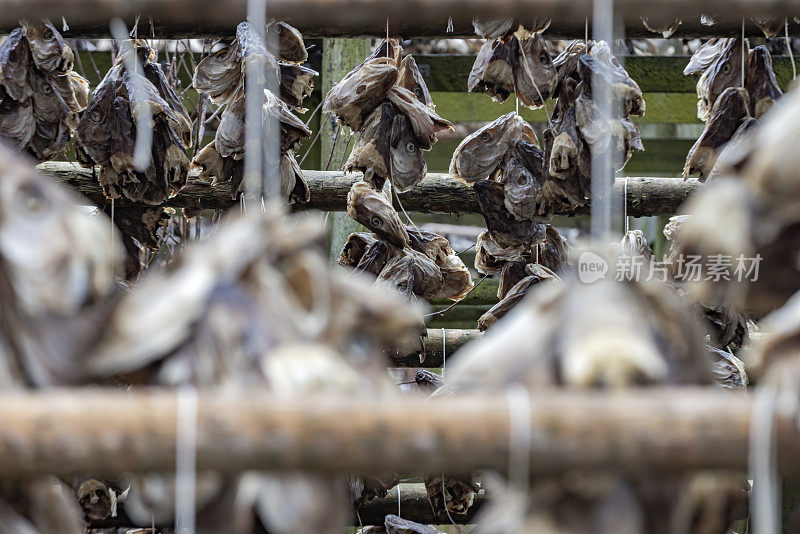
[[483, 152], [729, 112], [760, 81], [219, 74], [49, 50], [370, 208], [411, 78], [57, 255], [290, 43], [600, 66], [723, 72], [406, 166], [297, 83], [360, 92], [14, 53], [493, 70], [535, 75]]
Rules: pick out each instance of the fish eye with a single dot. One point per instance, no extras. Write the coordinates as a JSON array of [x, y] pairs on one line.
[[411, 147], [726, 68], [47, 34], [32, 198], [95, 115], [376, 221], [46, 89], [418, 91], [486, 137], [543, 58]]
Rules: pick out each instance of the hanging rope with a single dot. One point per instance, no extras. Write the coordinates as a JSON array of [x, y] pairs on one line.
[[530, 75]]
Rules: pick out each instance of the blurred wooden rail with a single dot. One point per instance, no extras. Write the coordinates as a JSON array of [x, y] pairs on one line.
[[454, 339], [408, 18], [437, 193], [647, 429]]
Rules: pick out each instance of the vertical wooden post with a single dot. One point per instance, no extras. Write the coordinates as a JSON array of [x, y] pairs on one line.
[[339, 56]]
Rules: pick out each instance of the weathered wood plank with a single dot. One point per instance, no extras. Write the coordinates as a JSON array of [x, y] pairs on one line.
[[641, 430], [437, 193], [654, 74], [349, 18], [669, 108], [454, 339], [339, 56]]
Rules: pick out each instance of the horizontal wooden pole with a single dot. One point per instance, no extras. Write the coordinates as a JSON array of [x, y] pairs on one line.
[[439, 342], [437, 193], [653, 74], [646, 429], [408, 18]]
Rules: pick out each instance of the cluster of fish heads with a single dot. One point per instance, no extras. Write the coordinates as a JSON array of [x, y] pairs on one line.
[[606, 334], [413, 262], [504, 161], [41, 97], [234, 311], [386, 102], [222, 77], [520, 268], [513, 60], [750, 209], [736, 87], [135, 93]]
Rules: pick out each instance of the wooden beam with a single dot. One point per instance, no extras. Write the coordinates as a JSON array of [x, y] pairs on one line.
[[437, 193], [654, 74], [640, 430], [454, 339], [408, 18]]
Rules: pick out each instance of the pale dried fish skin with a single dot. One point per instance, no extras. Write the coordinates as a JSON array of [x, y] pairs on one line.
[[371, 209], [358, 93], [483, 152], [535, 76], [49, 51], [493, 70], [407, 168], [601, 66], [219, 74], [410, 77], [424, 121]]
